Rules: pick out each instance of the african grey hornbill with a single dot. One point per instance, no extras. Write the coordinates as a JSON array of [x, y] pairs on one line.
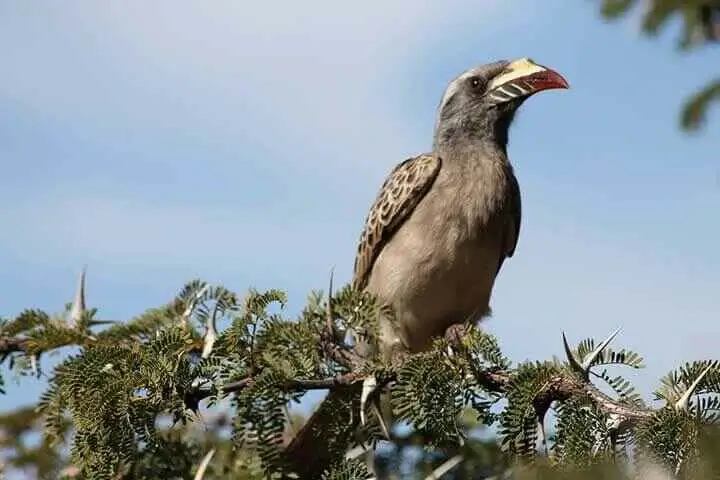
[[442, 224]]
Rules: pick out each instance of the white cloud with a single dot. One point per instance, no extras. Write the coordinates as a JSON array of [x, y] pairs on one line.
[[313, 80], [318, 72]]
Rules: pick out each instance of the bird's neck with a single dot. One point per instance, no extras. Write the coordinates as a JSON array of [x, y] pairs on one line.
[[472, 146], [466, 136]]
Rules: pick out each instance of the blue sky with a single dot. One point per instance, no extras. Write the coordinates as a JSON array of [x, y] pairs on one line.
[[243, 142]]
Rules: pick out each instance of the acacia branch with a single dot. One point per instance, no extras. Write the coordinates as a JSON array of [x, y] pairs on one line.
[[290, 385], [331, 346], [565, 384], [13, 345], [560, 387]]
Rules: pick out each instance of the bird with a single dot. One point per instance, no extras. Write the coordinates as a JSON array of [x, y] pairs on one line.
[[445, 221]]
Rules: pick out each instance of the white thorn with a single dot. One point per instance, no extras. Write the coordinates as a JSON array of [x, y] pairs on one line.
[[204, 464], [108, 367], [570, 356], [185, 318], [34, 365], [329, 320], [684, 401], [209, 341], [211, 332], [368, 388], [590, 358], [78, 307], [369, 385], [445, 467], [355, 452]]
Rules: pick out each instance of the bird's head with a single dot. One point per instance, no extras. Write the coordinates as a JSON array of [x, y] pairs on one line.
[[481, 103]]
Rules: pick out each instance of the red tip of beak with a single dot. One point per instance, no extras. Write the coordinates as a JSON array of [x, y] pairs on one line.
[[546, 80]]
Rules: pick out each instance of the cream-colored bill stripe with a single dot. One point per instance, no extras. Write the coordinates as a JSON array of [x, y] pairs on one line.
[[517, 69]]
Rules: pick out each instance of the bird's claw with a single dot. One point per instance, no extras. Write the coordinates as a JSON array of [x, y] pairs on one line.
[[455, 334]]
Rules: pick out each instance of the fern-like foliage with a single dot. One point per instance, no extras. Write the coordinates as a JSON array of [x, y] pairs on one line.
[[131, 400], [519, 420], [429, 393], [115, 395]]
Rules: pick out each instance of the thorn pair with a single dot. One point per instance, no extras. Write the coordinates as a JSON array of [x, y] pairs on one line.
[[682, 404], [583, 367]]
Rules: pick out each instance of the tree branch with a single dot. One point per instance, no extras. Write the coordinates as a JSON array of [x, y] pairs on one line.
[[292, 385], [567, 383], [559, 388], [12, 345]]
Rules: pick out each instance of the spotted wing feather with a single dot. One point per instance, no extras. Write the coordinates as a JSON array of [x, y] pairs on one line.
[[406, 185]]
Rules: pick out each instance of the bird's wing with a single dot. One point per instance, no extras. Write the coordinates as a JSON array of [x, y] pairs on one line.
[[406, 185], [512, 227]]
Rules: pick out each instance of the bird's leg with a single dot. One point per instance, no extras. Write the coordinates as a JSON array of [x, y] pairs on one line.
[[455, 333]]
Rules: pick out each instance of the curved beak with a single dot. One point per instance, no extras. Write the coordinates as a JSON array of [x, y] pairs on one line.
[[523, 78]]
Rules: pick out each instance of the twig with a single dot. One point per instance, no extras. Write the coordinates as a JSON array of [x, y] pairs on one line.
[[292, 385], [13, 344]]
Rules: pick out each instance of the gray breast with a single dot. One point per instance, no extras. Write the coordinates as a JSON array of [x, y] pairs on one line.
[[440, 266]]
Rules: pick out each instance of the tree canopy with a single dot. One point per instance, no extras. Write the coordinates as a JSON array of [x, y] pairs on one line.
[[129, 402]]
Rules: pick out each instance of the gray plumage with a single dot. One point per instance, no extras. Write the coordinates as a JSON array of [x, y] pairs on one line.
[[444, 222]]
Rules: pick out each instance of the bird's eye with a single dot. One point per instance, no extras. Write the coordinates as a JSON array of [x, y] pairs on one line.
[[477, 83]]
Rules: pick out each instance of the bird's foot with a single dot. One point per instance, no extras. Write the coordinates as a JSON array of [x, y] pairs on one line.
[[455, 334]]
